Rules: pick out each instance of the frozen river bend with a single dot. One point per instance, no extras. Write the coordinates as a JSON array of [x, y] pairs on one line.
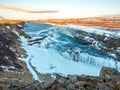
[[67, 49]]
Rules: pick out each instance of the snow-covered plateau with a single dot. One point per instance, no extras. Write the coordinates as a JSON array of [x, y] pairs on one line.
[[69, 49]]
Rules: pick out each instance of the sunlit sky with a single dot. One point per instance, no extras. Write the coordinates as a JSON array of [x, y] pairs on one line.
[[65, 8]]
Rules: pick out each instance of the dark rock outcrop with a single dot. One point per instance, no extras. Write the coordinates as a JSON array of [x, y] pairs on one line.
[[110, 74], [13, 72], [10, 44]]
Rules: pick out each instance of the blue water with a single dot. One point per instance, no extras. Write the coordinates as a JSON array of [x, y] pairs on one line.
[[32, 27]]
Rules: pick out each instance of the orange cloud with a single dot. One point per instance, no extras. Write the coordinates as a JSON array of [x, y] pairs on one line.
[[28, 10]]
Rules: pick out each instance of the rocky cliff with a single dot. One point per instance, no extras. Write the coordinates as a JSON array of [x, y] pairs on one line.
[[12, 69]]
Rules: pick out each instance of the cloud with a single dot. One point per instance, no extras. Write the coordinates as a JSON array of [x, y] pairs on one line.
[[28, 10]]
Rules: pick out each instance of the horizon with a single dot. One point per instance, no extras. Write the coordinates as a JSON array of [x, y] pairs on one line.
[[60, 9]]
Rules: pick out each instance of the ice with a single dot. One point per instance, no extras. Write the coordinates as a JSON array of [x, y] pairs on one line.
[[27, 60], [43, 59]]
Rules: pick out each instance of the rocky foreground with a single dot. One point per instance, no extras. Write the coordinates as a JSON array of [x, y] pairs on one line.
[[12, 69], [14, 74], [109, 79]]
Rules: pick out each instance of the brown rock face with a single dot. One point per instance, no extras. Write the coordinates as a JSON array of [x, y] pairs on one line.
[[118, 85], [109, 73], [80, 84]]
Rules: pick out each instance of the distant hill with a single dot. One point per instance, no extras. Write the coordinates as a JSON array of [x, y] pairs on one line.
[[106, 21], [103, 21]]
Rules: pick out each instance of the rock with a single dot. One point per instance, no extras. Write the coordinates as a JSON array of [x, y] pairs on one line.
[[12, 69], [48, 80], [10, 45], [57, 86], [20, 25], [70, 87], [34, 86], [61, 88], [80, 84], [62, 80], [72, 78], [103, 86], [1, 69], [112, 85], [118, 85], [108, 73]]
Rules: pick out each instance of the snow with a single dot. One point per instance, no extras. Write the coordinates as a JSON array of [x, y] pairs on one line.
[[7, 68], [48, 61], [24, 45], [44, 59], [8, 27], [98, 31], [19, 25], [112, 54], [118, 49]]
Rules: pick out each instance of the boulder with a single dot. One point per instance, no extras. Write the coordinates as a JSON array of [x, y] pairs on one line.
[[118, 85], [70, 87], [103, 86], [72, 78], [80, 84], [108, 73]]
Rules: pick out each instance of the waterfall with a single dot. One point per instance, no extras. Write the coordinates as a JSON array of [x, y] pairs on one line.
[[60, 39]]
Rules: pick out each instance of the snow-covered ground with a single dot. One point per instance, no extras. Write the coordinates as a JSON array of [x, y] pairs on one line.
[[54, 54], [48, 61]]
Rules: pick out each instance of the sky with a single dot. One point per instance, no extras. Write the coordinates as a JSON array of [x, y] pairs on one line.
[[64, 8]]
